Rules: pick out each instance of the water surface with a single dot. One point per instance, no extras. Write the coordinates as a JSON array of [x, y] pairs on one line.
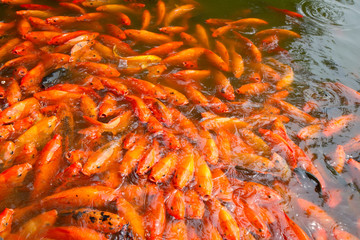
[[327, 52]]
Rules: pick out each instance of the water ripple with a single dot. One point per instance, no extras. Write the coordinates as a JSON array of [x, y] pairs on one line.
[[330, 14]]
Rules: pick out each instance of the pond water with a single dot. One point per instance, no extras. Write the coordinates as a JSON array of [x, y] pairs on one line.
[[327, 52], [328, 49]]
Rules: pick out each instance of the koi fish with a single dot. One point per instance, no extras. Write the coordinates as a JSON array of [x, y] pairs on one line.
[[286, 12]]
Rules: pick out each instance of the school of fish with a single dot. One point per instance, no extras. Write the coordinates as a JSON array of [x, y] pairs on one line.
[[120, 119]]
